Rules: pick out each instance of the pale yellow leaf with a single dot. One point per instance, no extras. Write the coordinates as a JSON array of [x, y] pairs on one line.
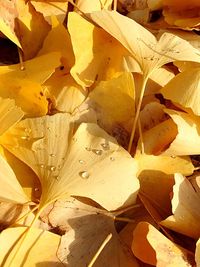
[[87, 6], [185, 208], [88, 165], [187, 141], [143, 45], [184, 90]]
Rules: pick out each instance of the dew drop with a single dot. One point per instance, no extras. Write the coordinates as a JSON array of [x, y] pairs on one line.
[[25, 138], [112, 158], [36, 189], [97, 152], [81, 161], [55, 177], [41, 166], [173, 157], [88, 148], [48, 128], [105, 146], [52, 155], [84, 174], [52, 168]]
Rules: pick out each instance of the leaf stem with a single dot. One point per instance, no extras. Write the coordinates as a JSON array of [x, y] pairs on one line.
[[100, 250], [142, 90]]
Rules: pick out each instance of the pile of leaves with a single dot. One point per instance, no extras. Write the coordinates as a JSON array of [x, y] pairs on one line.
[[99, 133]]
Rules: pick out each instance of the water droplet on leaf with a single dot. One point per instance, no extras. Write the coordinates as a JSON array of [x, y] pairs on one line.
[[84, 174]]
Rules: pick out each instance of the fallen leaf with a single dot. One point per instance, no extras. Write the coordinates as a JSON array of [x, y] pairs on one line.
[[10, 190], [86, 165], [9, 114], [87, 6], [23, 25], [40, 250], [85, 228], [150, 246], [99, 61], [183, 89], [107, 95], [197, 253], [185, 208]]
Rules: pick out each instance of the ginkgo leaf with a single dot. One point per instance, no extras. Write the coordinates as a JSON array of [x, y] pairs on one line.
[[157, 139], [10, 190], [9, 114], [40, 249], [28, 95], [152, 247], [188, 134], [87, 6], [197, 253], [65, 92], [85, 228], [143, 45], [184, 89], [58, 40], [185, 208], [51, 8], [99, 61], [107, 95], [88, 165], [38, 69], [23, 25]]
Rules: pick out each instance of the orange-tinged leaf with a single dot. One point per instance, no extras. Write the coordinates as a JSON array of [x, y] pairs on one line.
[[152, 247], [23, 25], [40, 248], [185, 208]]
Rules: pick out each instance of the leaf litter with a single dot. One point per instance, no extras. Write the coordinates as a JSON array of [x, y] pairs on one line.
[[100, 134]]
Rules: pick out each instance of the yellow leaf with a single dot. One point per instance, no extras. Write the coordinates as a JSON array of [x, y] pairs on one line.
[[157, 139], [187, 141], [40, 248], [65, 92], [143, 45], [51, 8], [9, 114], [99, 61], [10, 190], [88, 165], [185, 208], [38, 69], [91, 226], [184, 90], [87, 6], [107, 95], [152, 247], [58, 40], [23, 25]]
